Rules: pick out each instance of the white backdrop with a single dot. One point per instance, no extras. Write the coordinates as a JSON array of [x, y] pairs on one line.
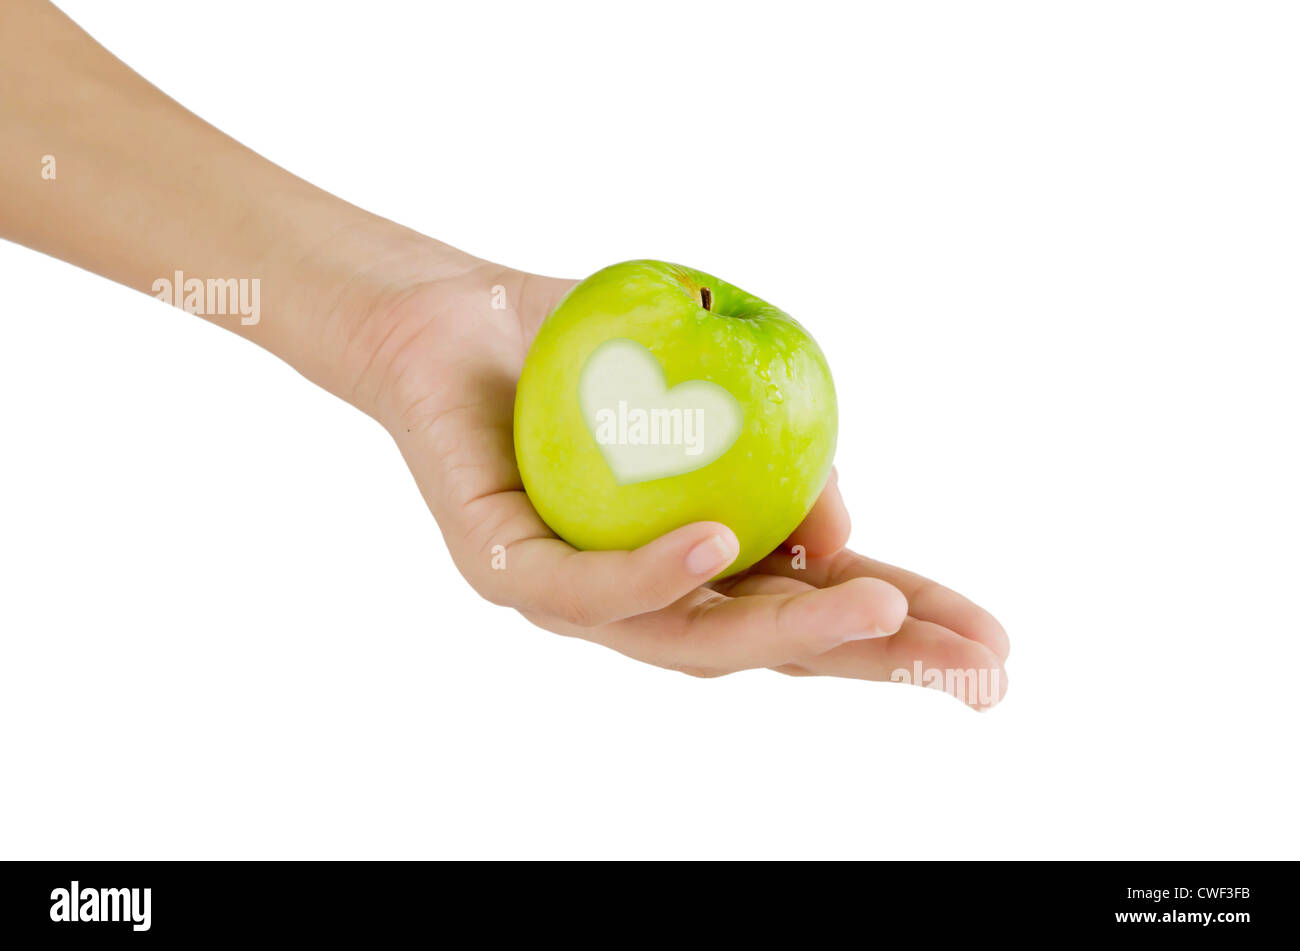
[[1051, 251]]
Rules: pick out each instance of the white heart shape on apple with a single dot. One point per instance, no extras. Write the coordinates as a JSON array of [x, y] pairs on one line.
[[646, 431]]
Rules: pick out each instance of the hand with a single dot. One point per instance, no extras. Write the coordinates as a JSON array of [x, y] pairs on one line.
[[431, 341], [448, 353]]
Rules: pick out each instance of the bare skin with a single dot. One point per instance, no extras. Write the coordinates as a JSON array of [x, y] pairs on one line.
[[404, 328]]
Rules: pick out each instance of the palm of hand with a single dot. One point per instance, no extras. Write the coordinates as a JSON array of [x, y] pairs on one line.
[[451, 354]]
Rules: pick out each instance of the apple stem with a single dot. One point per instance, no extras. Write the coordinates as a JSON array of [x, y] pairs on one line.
[[706, 298]]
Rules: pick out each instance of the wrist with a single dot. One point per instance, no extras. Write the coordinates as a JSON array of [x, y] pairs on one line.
[[372, 302]]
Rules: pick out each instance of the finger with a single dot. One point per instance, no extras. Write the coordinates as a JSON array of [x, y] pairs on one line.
[[749, 584], [921, 653], [721, 634], [927, 600], [544, 575], [825, 530]]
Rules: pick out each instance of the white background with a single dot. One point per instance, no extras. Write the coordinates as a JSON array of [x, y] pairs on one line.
[[1051, 250]]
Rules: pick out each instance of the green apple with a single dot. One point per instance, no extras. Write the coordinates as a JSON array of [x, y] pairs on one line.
[[656, 395]]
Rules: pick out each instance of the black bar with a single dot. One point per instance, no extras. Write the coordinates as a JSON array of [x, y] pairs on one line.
[[386, 902]]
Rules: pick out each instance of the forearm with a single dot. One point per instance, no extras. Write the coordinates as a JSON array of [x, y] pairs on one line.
[[142, 189]]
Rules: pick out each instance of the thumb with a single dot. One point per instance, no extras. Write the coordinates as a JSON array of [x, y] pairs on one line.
[[590, 588]]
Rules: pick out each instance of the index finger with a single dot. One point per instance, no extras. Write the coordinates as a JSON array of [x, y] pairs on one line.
[[927, 600]]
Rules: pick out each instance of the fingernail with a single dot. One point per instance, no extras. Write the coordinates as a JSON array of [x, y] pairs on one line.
[[710, 556], [869, 635]]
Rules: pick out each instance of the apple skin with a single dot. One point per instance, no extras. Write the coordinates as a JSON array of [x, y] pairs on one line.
[[762, 487]]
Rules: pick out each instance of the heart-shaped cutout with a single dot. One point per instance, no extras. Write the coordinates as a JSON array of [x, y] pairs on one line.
[[644, 430]]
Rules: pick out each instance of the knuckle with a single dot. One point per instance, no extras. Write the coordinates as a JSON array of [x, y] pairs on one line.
[[643, 594], [573, 608], [493, 590]]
